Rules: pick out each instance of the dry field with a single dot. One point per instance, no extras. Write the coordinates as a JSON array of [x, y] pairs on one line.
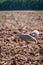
[[13, 52]]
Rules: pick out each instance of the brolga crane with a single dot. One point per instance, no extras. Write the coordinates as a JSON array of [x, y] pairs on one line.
[[28, 37]]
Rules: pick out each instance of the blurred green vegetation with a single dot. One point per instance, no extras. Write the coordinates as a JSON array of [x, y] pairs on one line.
[[40, 41], [1, 1], [21, 4]]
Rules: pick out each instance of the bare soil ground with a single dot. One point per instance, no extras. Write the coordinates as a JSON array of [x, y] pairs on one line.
[[13, 52]]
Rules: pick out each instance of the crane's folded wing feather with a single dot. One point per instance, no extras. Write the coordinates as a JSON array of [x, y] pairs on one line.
[[25, 37]]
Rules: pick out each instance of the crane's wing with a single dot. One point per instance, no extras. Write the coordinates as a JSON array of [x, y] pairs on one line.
[[25, 37]]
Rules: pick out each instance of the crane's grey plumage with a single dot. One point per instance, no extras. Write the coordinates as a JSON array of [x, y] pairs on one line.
[[28, 37]]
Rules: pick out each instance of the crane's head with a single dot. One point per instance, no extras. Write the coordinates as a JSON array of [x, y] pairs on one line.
[[35, 33]]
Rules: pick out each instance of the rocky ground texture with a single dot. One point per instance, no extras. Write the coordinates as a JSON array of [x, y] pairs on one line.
[[14, 52]]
